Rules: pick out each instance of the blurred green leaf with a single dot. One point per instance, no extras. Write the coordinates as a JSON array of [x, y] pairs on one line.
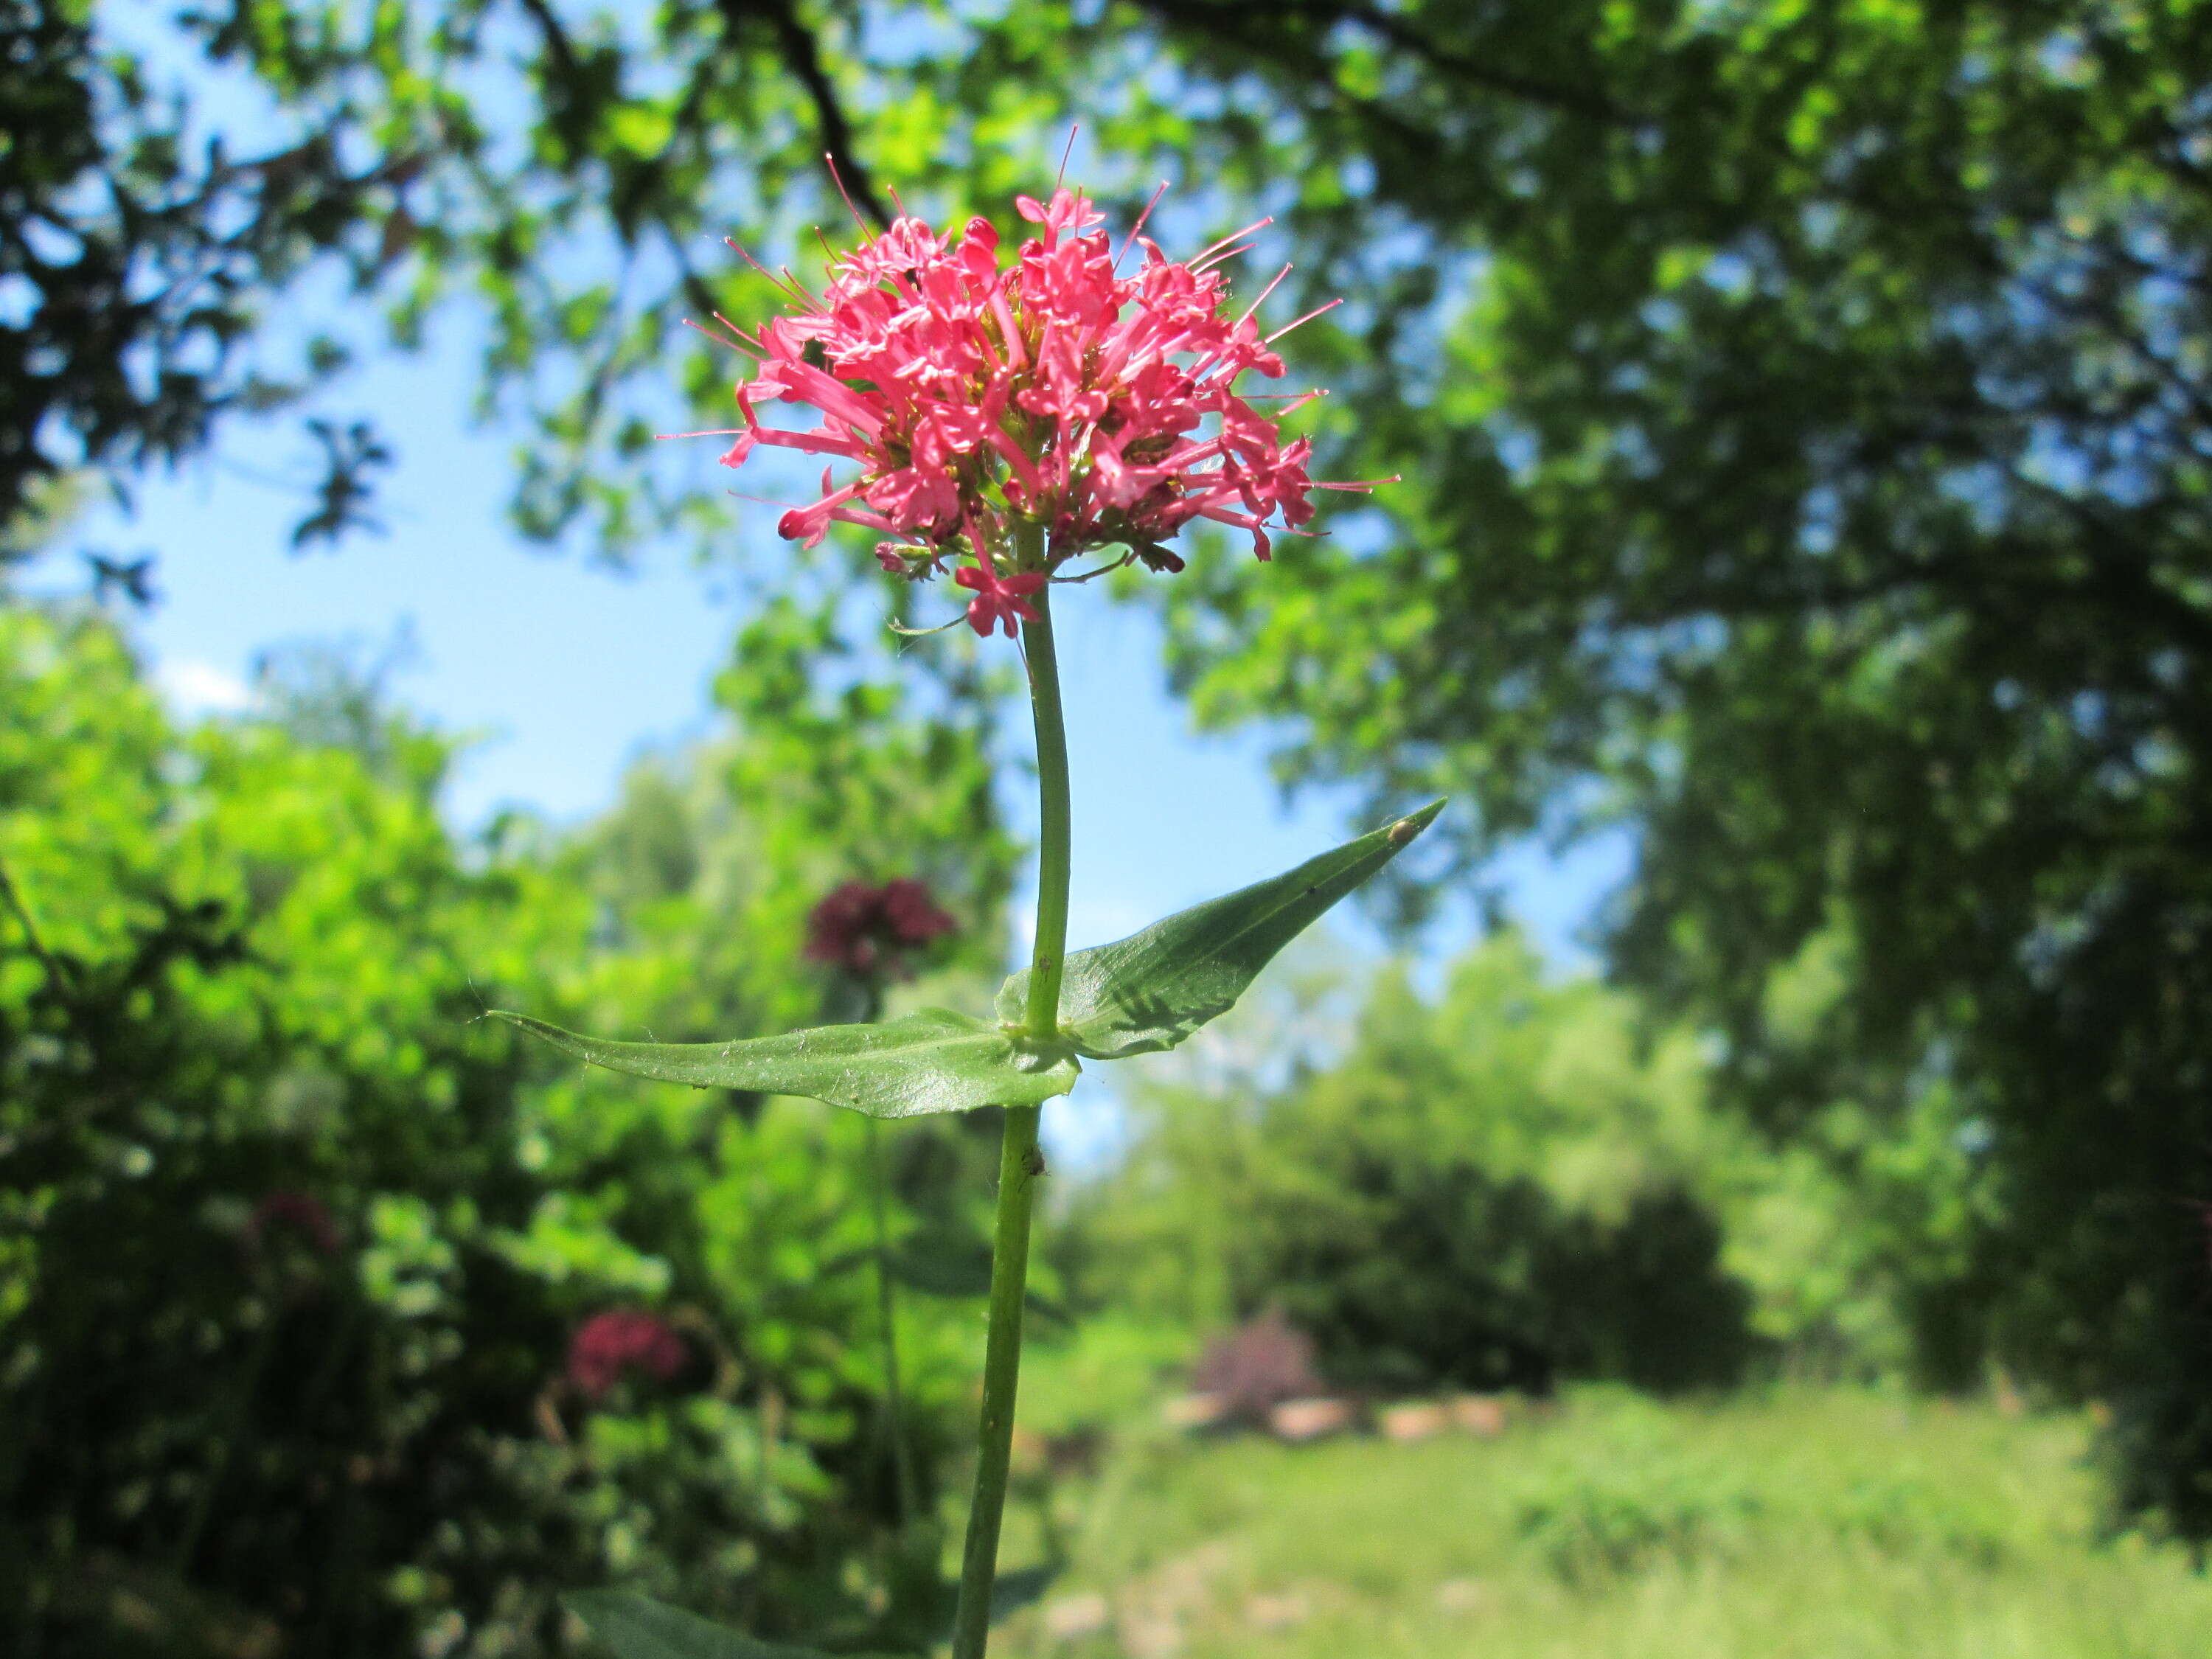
[[1151, 990], [945, 1264], [633, 1626], [940, 1262], [931, 1060]]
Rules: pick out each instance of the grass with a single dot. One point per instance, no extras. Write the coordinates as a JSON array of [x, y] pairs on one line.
[[1839, 1523]]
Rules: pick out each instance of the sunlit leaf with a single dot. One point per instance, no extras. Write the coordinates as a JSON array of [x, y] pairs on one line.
[[632, 1627], [1153, 989], [932, 1060]]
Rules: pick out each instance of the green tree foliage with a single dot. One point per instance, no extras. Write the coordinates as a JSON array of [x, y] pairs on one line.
[[140, 246], [292, 1247], [1802, 409]]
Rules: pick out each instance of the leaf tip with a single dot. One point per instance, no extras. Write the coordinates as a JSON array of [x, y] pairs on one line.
[[1402, 832], [529, 1027]]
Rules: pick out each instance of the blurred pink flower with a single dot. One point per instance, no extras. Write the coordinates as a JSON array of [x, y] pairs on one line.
[[866, 930], [1053, 392], [610, 1344], [1257, 1366]]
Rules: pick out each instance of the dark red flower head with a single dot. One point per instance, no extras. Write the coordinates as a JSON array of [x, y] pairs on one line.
[[868, 930], [622, 1341]]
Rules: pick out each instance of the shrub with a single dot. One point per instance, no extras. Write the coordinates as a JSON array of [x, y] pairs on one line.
[[293, 1251]]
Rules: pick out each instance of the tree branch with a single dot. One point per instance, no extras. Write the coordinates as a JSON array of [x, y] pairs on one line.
[[796, 44], [1569, 100], [57, 975], [557, 38], [1262, 25]]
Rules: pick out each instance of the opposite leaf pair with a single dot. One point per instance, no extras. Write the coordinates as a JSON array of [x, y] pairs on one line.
[[1139, 995]]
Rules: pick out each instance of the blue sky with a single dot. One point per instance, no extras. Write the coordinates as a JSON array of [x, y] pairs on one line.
[[564, 671]]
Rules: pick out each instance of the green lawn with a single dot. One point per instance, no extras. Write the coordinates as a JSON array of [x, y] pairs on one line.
[[1830, 1522]]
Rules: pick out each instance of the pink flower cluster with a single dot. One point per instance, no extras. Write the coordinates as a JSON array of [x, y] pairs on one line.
[[866, 930], [1052, 393], [610, 1346]]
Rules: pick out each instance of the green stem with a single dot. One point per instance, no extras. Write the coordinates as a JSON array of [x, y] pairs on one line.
[[1050, 951], [1002, 1359], [886, 1310], [1019, 1161], [240, 1404]]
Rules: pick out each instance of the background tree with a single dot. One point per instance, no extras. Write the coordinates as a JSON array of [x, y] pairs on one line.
[[140, 245], [1804, 409]]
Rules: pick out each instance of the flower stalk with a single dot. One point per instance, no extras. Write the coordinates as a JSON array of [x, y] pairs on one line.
[[1020, 1161], [866, 934], [1008, 414], [887, 1315]]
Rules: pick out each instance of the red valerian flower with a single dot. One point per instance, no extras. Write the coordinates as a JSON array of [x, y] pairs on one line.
[[866, 930], [614, 1344], [1052, 393]]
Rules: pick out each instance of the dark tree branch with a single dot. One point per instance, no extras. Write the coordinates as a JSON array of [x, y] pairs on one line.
[[57, 975], [1253, 25], [1569, 100], [795, 42], [632, 196], [557, 46]]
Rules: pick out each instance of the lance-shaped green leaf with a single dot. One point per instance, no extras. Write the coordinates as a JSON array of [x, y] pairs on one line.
[[632, 1627], [1151, 990], [933, 1060]]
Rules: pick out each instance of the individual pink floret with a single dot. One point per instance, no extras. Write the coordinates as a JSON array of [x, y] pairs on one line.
[[999, 599]]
